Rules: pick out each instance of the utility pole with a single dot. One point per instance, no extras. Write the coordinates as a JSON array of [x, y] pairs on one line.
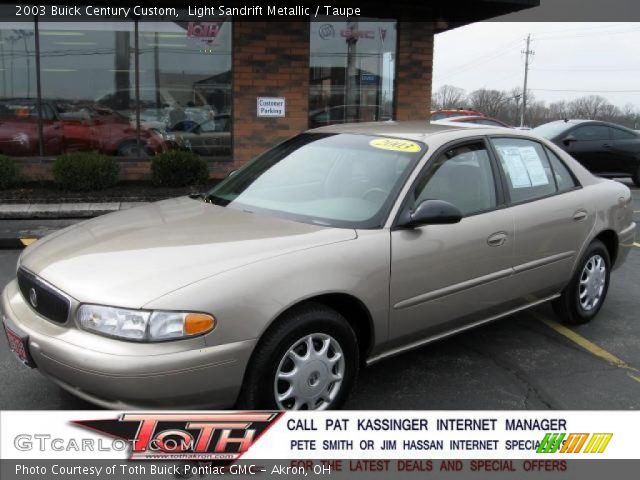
[[527, 53]]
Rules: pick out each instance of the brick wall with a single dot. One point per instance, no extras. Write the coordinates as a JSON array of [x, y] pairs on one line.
[[272, 60], [414, 70]]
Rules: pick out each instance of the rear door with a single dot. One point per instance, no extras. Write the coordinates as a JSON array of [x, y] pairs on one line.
[[625, 151], [443, 276], [550, 212], [591, 147]]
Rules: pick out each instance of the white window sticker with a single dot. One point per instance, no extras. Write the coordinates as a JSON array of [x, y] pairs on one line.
[[534, 166], [515, 167]]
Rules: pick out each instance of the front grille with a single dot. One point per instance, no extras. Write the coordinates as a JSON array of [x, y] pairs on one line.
[[48, 303]]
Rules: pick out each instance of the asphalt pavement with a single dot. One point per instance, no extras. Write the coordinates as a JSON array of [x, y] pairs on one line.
[[526, 361]]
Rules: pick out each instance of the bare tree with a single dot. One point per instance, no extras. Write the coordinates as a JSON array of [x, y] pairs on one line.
[[505, 105], [589, 107], [448, 96], [489, 102], [559, 110]]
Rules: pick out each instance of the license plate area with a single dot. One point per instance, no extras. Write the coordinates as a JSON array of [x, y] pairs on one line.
[[19, 344]]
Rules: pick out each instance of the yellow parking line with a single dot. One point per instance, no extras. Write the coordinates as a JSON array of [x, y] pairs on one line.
[[27, 241], [591, 347], [636, 244]]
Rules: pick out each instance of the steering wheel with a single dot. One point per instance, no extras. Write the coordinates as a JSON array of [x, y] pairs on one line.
[[370, 194]]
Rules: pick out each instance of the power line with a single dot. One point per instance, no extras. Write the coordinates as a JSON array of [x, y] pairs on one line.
[[583, 91], [493, 55]]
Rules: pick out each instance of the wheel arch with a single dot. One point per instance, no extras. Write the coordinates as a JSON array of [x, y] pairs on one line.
[[350, 307], [610, 240]]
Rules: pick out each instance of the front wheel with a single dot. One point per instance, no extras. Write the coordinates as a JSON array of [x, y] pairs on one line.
[[582, 299], [307, 361]]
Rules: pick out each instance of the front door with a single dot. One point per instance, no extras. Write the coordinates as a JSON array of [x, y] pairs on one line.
[[443, 275]]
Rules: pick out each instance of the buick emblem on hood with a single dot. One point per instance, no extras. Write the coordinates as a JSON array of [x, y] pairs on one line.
[[33, 298]]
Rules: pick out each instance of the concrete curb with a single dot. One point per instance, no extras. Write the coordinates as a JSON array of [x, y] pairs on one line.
[[26, 211]]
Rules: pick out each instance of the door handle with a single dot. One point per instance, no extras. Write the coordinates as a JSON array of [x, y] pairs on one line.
[[497, 239], [580, 215]]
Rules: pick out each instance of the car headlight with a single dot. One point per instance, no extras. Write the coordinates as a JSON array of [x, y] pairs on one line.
[[142, 325]]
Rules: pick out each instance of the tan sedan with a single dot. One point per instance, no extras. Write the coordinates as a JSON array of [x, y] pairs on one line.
[[338, 248]]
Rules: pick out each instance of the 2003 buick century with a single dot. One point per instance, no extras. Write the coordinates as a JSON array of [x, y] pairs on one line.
[[340, 247]]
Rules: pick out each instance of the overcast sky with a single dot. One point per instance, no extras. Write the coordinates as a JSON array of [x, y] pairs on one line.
[[571, 59]]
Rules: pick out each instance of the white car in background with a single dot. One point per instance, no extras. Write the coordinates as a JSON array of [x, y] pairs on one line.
[[162, 108], [471, 121]]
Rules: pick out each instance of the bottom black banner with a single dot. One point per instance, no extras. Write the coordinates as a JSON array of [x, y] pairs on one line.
[[335, 469]]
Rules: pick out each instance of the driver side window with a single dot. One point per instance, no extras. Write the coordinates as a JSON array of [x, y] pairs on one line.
[[461, 176]]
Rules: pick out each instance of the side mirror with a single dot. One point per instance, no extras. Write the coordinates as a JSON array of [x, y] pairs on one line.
[[568, 140], [434, 212]]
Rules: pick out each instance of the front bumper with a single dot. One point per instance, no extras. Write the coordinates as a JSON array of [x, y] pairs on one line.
[[122, 375]]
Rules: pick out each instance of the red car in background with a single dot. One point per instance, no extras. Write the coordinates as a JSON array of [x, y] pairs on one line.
[[71, 127], [443, 113], [19, 129]]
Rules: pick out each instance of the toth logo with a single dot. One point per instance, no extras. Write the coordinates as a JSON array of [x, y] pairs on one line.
[[574, 443], [33, 298], [193, 436]]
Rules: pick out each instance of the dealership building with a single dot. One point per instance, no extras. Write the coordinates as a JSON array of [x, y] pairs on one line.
[[225, 88]]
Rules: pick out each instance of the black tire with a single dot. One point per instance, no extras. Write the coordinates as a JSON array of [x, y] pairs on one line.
[[259, 387], [636, 177], [130, 149], [569, 307]]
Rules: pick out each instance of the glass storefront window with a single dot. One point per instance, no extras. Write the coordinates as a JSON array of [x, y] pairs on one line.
[[19, 130], [352, 68], [185, 84], [80, 62], [89, 97]]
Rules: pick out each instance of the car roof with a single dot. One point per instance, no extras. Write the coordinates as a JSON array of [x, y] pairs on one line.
[[412, 130]]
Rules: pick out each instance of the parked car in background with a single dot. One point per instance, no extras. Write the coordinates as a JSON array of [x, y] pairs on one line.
[[160, 108], [19, 135], [209, 138], [340, 247], [443, 113], [346, 114], [89, 127], [480, 120], [606, 149], [71, 127], [472, 120]]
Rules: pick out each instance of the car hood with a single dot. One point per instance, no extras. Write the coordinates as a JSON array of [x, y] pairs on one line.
[[132, 257]]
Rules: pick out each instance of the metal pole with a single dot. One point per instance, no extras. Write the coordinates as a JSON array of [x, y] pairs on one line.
[[527, 53], [38, 88], [136, 48]]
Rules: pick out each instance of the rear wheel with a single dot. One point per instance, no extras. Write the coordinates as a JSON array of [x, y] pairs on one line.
[[307, 361], [582, 299], [132, 150], [636, 177]]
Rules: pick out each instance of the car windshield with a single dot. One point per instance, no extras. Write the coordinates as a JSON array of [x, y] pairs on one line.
[[551, 130], [340, 180]]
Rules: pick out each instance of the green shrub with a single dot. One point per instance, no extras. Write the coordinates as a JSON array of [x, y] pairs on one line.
[[84, 171], [9, 172], [179, 169]]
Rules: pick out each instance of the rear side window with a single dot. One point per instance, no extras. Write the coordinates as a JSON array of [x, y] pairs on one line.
[[564, 179], [526, 167], [619, 134], [591, 132]]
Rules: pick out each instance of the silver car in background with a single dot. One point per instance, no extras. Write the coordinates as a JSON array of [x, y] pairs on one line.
[[340, 247]]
